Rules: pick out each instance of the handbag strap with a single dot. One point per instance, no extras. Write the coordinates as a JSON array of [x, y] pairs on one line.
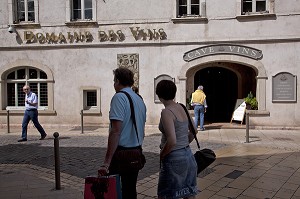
[[191, 124], [132, 113]]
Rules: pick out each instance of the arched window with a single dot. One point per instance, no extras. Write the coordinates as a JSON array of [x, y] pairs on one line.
[[33, 77], [158, 79]]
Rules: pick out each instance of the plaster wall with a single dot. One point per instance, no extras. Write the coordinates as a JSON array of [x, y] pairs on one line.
[[92, 67], [90, 64]]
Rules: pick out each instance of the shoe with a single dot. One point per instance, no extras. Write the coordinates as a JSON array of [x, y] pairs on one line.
[[22, 140], [202, 129], [43, 137]]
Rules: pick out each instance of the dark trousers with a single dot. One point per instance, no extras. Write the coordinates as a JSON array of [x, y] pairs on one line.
[[33, 116], [128, 180]]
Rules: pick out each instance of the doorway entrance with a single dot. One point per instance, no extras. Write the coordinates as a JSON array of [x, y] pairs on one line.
[[223, 86], [220, 87]]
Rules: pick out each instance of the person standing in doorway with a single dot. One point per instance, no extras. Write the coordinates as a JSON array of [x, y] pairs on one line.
[[31, 113], [198, 101], [122, 132]]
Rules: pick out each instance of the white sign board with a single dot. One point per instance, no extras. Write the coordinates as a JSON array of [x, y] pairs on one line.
[[239, 112]]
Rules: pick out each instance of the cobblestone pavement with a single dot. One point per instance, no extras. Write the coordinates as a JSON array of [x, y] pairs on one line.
[[31, 163]]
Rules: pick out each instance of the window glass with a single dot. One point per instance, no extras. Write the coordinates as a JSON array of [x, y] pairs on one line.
[[195, 7], [182, 7], [11, 98], [76, 9], [11, 75], [91, 98], [31, 10], [21, 10], [30, 16], [88, 14], [77, 14], [247, 6], [21, 74], [43, 94], [77, 4], [88, 4], [32, 74], [31, 5], [260, 6], [21, 94], [195, 10], [43, 75], [182, 2]]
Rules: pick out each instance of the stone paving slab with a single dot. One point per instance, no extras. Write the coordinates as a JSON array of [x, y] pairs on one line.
[[267, 167]]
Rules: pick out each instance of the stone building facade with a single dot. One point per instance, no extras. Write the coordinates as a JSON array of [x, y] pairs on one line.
[[66, 51]]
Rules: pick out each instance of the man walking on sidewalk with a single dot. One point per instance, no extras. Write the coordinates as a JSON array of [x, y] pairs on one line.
[[31, 113]]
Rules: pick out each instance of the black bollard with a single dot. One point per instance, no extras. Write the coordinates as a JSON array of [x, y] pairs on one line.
[[8, 125], [81, 114], [57, 161], [247, 127]]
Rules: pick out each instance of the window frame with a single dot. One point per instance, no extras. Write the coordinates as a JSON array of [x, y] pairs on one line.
[[201, 18], [246, 16], [82, 11], [90, 110], [86, 105], [13, 12], [189, 8], [269, 7], [69, 14], [25, 81]]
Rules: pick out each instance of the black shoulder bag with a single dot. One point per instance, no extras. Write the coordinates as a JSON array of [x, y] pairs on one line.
[[126, 159], [203, 157]]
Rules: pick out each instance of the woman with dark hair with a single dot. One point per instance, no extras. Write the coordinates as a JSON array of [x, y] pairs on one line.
[[178, 172]]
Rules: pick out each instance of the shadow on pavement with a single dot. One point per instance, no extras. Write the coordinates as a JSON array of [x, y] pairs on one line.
[[76, 161]]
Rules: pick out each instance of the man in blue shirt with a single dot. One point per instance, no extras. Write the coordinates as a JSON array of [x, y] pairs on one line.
[[31, 113], [122, 133]]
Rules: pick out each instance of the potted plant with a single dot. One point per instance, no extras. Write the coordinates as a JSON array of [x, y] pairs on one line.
[[251, 102], [188, 103]]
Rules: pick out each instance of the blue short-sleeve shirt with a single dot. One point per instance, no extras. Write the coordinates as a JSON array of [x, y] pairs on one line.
[[120, 110]]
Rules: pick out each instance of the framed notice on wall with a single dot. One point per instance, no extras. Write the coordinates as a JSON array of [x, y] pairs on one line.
[[284, 87], [239, 111]]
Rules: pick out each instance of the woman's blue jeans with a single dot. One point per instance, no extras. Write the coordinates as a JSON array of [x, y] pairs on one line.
[[199, 113]]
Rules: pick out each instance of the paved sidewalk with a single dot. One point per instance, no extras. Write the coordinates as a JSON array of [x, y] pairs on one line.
[[267, 167]]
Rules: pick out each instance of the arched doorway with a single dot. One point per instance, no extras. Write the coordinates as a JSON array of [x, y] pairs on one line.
[[251, 76], [223, 83], [221, 89]]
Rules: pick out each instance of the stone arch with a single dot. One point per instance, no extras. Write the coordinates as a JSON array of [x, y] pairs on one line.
[[256, 65], [13, 65]]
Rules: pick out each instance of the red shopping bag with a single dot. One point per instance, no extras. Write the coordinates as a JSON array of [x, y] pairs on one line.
[[104, 187]]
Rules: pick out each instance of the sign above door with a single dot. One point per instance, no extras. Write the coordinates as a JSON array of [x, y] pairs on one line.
[[230, 49]]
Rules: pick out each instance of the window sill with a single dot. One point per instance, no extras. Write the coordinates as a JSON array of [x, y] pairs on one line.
[[190, 20], [81, 23], [255, 16], [92, 113], [26, 25]]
